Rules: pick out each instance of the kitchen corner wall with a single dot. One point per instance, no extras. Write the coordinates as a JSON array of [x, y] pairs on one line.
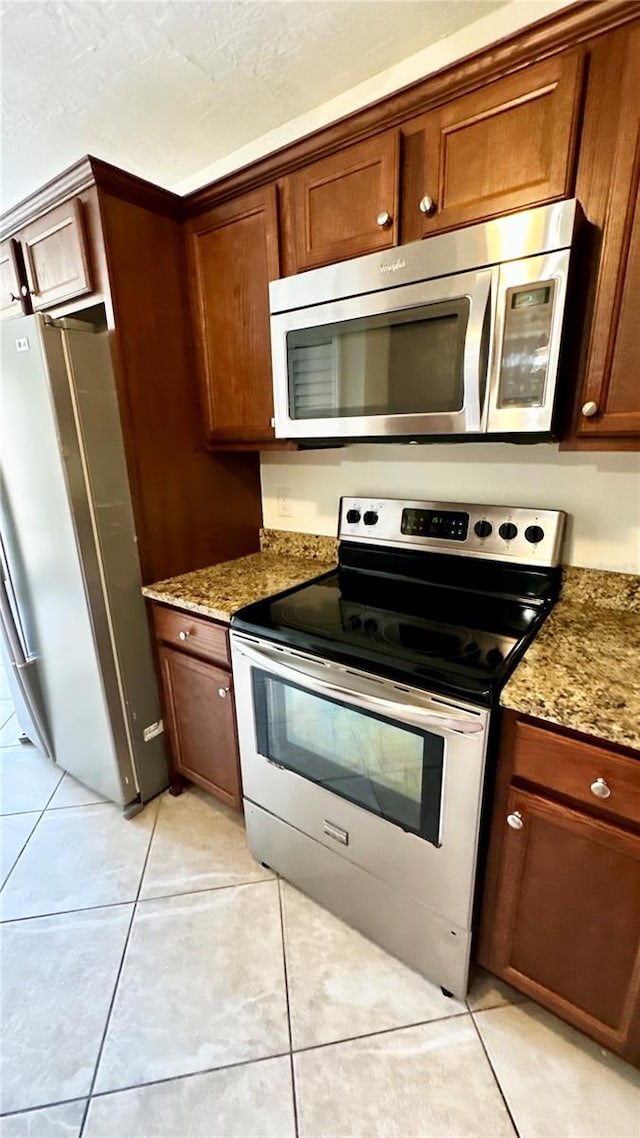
[[599, 491]]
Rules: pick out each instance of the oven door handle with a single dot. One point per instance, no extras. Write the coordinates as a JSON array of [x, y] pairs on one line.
[[461, 724]]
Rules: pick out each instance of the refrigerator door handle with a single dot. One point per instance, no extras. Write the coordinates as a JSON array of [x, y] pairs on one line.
[[9, 613]]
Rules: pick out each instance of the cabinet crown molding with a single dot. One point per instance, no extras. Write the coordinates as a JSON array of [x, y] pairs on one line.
[[87, 172]]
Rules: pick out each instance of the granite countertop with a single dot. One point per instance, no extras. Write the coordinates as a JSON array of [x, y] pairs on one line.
[[217, 592], [581, 672], [583, 669]]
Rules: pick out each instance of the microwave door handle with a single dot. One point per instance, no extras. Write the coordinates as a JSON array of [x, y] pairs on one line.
[[476, 360], [461, 725]]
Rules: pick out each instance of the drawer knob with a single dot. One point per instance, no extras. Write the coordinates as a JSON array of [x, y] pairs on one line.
[[515, 820], [384, 219], [589, 409], [183, 634], [600, 788], [223, 692], [427, 205]]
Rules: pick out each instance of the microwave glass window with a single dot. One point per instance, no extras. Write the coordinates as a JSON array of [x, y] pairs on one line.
[[398, 363], [384, 766], [526, 343]]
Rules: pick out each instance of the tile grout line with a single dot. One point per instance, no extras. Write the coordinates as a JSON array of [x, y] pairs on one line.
[[131, 901], [239, 1063], [189, 1075], [380, 1031], [150, 1083], [40, 1106], [232, 1066], [286, 992], [493, 1071], [35, 827], [118, 975], [8, 720]]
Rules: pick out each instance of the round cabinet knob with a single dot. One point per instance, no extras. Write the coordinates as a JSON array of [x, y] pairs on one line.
[[427, 205], [223, 692], [600, 788], [515, 820], [370, 518], [182, 635], [24, 291], [353, 517], [508, 531], [534, 534], [589, 409], [384, 219], [483, 528]]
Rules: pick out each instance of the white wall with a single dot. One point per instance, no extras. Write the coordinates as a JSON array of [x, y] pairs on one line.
[[599, 491]]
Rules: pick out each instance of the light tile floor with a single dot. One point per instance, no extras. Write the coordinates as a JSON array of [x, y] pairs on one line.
[[157, 983]]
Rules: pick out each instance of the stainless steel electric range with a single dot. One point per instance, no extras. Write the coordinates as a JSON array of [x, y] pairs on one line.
[[365, 703]]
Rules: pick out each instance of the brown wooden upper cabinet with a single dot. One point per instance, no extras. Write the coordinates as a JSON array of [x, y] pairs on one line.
[[11, 298], [56, 256], [504, 147], [609, 402], [345, 205], [233, 254]]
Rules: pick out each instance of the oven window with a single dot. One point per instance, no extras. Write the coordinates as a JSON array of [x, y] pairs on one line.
[[388, 768], [398, 363]]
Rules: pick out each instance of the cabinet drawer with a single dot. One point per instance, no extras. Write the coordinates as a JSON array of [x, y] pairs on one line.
[[572, 767], [193, 634]]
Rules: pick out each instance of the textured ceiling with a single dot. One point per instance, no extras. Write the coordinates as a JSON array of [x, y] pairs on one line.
[[166, 88]]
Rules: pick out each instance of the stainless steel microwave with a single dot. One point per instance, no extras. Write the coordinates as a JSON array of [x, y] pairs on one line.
[[455, 335]]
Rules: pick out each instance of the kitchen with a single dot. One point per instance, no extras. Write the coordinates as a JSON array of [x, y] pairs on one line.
[[213, 482]]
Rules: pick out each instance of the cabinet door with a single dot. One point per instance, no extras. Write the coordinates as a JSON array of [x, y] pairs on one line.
[[233, 253], [566, 927], [11, 297], [201, 723], [56, 256], [347, 204], [609, 403], [507, 146]]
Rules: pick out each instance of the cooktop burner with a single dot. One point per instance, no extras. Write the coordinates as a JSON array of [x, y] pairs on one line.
[[410, 610]]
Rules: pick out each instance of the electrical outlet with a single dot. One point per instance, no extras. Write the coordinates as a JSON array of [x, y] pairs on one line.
[[285, 508]]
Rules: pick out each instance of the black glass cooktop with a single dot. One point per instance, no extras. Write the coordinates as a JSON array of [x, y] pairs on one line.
[[442, 634]]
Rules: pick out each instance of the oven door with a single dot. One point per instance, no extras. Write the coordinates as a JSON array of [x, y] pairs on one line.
[[404, 361], [387, 776]]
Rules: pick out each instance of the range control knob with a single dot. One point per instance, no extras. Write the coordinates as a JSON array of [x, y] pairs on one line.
[[534, 534], [483, 528], [353, 517], [370, 518], [508, 531]]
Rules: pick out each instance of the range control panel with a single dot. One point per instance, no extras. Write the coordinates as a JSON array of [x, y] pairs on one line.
[[500, 533]]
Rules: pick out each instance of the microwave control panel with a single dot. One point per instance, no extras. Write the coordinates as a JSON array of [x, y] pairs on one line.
[[525, 345]]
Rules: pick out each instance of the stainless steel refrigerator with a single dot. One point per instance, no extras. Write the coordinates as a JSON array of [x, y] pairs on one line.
[[72, 616]]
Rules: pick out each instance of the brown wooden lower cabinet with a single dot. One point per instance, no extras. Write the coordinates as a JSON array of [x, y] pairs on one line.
[[561, 912], [198, 704]]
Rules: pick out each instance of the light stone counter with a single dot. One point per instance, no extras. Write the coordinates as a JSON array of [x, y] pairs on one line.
[[583, 669], [220, 590]]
